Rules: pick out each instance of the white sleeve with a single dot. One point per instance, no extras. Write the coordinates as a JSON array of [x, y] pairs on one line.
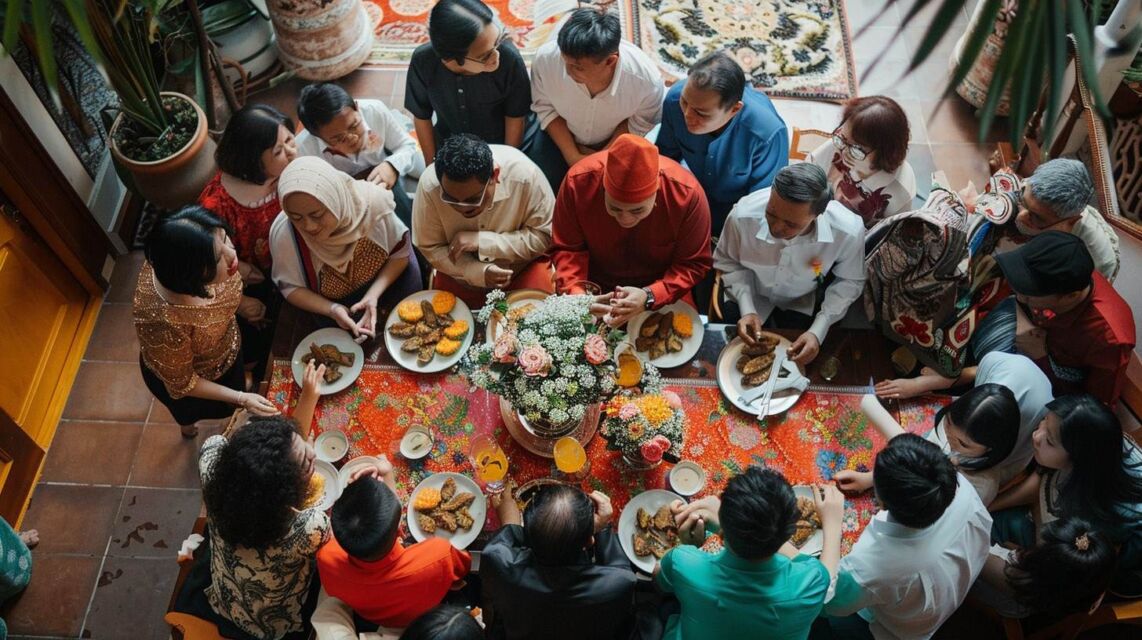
[[288, 272], [736, 277], [399, 144], [649, 112], [541, 102]]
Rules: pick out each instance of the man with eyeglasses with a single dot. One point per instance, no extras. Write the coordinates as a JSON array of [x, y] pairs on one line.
[[728, 133], [482, 219], [1055, 197], [469, 78]]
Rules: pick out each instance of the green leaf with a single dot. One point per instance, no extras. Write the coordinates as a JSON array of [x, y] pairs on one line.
[[1085, 51], [13, 18], [1028, 69], [1001, 77], [1056, 66], [77, 12], [975, 43], [939, 28], [42, 26]]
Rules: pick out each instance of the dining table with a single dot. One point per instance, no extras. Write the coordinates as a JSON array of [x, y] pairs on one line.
[[822, 433]]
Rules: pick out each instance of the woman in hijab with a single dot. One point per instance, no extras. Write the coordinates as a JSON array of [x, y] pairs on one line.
[[339, 250]]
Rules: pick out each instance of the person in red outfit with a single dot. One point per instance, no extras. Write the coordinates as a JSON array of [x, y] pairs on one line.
[[255, 148], [367, 568], [634, 223]]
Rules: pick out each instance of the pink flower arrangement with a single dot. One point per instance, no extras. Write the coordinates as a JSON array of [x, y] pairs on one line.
[[534, 360], [595, 349], [672, 399], [628, 411], [653, 449], [505, 348]]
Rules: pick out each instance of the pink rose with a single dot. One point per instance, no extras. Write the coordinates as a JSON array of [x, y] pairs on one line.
[[535, 360], [651, 451], [672, 399], [505, 348], [595, 349], [628, 411], [662, 441]]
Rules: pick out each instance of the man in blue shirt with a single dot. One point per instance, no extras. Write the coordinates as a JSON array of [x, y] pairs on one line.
[[729, 134], [759, 586]]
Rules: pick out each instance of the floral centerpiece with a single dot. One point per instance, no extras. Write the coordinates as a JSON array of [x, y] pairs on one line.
[[550, 364], [645, 426]]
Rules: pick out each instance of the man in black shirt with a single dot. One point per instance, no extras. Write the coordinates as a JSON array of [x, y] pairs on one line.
[[561, 575], [471, 77]]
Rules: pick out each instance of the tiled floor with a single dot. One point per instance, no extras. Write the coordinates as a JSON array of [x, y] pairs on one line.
[[120, 488]]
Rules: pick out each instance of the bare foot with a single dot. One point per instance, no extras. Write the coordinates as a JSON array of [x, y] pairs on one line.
[[901, 388], [30, 538]]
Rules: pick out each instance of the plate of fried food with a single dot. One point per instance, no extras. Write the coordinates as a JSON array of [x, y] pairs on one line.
[[807, 537], [520, 303], [669, 337], [646, 527], [742, 368], [447, 505], [324, 487], [429, 331], [333, 347]]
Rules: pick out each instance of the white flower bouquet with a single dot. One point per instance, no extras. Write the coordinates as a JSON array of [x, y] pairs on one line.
[[551, 364]]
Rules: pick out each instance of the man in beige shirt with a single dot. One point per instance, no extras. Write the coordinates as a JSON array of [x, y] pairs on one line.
[[482, 219]]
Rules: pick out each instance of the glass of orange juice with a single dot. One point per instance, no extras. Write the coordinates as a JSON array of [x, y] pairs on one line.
[[570, 457], [490, 463], [629, 372]]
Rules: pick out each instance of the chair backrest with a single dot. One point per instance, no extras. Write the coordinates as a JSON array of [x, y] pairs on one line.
[[804, 141]]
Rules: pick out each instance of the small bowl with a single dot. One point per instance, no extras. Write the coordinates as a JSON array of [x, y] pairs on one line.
[[687, 478], [331, 446], [416, 443]]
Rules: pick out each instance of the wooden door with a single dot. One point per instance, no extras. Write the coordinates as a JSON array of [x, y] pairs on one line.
[[44, 323]]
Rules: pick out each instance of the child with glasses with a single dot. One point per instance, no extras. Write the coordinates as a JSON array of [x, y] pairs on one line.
[[469, 78]]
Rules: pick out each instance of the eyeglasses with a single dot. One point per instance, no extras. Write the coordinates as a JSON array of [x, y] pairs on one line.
[[487, 57], [1036, 220], [465, 204], [842, 144]]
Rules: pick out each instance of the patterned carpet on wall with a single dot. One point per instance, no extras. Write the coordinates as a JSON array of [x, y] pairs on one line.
[[789, 48]]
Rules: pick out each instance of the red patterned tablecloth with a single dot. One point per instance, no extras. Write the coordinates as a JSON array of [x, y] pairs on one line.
[[823, 433]]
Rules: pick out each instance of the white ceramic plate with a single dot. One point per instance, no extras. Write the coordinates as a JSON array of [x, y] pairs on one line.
[[478, 509], [349, 467], [333, 485], [651, 501], [816, 542], [730, 381], [439, 362], [690, 346], [339, 338], [515, 299]]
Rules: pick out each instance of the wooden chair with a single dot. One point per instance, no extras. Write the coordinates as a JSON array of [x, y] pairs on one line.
[[183, 625]]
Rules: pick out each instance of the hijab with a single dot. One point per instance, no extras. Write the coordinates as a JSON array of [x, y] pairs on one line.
[[356, 204]]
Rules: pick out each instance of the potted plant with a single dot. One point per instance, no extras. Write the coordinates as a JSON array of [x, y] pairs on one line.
[[645, 427], [1132, 75], [550, 365], [159, 137]]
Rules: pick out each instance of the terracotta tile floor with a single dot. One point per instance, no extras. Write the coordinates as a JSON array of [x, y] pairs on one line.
[[120, 488]]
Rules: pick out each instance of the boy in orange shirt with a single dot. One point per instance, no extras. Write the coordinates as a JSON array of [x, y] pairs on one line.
[[367, 568]]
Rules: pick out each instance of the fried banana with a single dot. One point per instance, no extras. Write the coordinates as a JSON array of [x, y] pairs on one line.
[[666, 326], [427, 524], [425, 354], [756, 379], [673, 343], [757, 363], [448, 489], [650, 326], [429, 314], [446, 520], [402, 330], [663, 518], [458, 501], [412, 345], [642, 518]]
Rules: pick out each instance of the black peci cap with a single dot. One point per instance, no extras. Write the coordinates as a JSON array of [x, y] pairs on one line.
[[1052, 263]]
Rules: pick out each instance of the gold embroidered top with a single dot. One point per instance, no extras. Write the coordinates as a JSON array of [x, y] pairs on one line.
[[181, 343], [368, 258]]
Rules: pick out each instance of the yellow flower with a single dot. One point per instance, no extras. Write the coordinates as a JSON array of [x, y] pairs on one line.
[[635, 429], [655, 409]]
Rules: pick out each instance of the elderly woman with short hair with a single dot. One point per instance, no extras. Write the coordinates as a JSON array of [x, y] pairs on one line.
[[866, 159]]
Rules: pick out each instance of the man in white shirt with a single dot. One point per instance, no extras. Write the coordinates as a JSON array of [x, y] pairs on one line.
[[915, 561], [587, 88], [777, 249], [363, 138]]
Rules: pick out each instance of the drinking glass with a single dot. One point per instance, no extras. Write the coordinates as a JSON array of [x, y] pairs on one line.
[[570, 457], [490, 463]]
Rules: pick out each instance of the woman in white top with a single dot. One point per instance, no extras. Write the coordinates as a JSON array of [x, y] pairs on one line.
[[866, 159], [339, 250], [978, 432]]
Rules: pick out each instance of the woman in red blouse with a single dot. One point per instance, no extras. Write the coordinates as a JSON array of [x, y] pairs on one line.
[[255, 148]]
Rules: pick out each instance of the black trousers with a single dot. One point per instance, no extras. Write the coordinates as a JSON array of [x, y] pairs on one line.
[[187, 410]]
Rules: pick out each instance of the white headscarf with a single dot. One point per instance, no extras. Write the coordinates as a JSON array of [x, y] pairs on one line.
[[356, 204]]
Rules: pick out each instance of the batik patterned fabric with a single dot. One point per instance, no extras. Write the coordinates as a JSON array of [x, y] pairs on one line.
[[917, 266], [825, 432]]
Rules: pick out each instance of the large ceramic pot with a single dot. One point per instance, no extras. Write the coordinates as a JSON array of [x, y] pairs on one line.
[[321, 39], [974, 86], [176, 180]]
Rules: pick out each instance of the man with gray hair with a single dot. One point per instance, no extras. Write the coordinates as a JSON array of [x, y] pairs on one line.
[[779, 248], [1055, 198]]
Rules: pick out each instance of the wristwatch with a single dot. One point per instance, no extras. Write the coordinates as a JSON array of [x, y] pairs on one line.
[[649, 297]]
